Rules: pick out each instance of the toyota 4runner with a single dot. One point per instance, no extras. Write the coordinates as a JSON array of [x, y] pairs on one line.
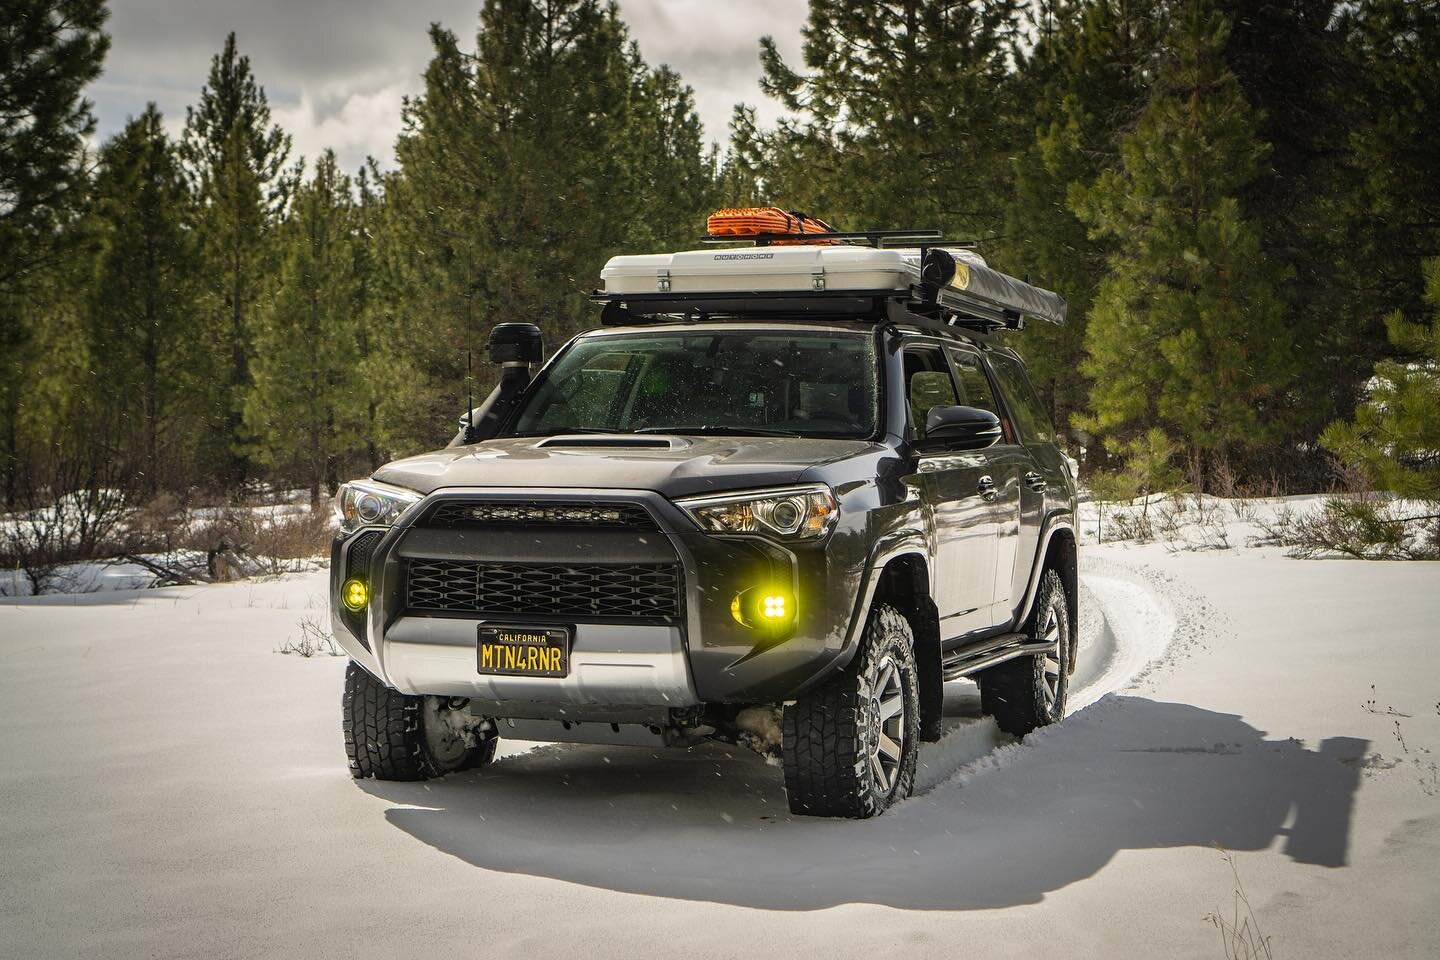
[[780, 496]]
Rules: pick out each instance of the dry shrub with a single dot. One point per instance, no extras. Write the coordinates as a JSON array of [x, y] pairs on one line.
[[1128, 525], [161, 525], [54, 531], [249, 541], [1364, 527], [1192, 522]]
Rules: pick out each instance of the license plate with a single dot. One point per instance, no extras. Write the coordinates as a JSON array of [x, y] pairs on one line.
[[516, 651]]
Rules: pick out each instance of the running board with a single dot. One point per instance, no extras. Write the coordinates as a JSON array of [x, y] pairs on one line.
[[987, 653]]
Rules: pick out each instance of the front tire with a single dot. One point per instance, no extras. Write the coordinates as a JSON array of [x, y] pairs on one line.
[[393, 736], [1030, 692], [850, 746]]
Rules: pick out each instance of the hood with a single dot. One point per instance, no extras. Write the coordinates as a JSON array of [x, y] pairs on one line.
[[671, 466]]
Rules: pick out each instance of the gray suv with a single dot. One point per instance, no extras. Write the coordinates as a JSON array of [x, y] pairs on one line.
[[784, 521]]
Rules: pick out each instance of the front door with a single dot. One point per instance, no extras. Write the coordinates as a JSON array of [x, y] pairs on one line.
[[954, 488], [1007, 468]]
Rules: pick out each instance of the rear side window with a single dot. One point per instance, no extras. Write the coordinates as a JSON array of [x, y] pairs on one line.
[[1034, 421], [927, 385], [975, 387]]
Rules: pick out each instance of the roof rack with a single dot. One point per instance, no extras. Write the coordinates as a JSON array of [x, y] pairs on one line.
[[873, 275], [873, 306], [873, 238]]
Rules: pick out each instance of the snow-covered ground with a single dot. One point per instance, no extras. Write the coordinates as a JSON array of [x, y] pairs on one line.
[[170, 786]]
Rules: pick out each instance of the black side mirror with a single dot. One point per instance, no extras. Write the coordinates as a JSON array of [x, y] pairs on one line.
[[516, 343], [962, 428]]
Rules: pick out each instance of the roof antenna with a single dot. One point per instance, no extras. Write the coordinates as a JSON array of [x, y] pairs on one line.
[[469, 398]]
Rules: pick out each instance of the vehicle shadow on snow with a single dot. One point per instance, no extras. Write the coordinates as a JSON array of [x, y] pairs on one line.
[[712, 824]]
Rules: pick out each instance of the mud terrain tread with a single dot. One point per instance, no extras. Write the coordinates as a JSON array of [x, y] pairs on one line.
[[821, 743]]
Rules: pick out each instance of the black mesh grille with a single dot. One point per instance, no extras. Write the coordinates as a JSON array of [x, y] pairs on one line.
[[357, 564], [534, 514], [636, 591], [361, 550]]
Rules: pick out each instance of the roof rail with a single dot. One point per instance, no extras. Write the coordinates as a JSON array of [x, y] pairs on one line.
[[873, 238]]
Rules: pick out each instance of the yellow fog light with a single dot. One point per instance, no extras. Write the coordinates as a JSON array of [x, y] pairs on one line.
[[355, 594], [763, 608]]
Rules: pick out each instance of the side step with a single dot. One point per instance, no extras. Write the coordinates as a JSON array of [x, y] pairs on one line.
[[989, 652]]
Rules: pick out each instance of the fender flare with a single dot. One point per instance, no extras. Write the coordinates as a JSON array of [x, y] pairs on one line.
[[1054, 522], [907, 542], [899, 543]]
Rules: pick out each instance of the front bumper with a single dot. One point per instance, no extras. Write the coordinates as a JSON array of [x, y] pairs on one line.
[[698, 654]]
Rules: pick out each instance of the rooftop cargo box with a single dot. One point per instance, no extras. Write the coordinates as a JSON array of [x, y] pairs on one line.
[[966, 280]]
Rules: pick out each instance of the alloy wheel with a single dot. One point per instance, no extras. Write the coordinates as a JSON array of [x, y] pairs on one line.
[[886, 733], [1053, 667]]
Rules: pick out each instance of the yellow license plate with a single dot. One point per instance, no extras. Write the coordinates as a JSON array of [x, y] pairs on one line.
[[516, 651]]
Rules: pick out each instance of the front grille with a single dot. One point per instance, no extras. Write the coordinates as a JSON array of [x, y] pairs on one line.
[[539, 514], [634, 591]]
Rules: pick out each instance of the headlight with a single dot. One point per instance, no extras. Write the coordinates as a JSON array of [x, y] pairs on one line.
[[369, 503], [794, 513]]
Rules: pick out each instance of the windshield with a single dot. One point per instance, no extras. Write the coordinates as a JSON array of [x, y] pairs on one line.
[[733, 382]]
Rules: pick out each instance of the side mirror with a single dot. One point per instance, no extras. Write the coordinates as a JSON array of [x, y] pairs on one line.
[[516, 343], [962, 428]]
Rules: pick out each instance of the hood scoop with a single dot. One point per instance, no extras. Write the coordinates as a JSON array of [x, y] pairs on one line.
[[611, 441]]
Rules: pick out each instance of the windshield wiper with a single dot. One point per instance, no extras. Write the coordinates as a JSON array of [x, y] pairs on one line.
[[566, 431], [719, 431]]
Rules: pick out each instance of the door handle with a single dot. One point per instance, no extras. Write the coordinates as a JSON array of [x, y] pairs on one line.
[[986, 487], [1034, 481]]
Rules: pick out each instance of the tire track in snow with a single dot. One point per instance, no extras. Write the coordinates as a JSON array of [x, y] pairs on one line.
[[1127, 625]]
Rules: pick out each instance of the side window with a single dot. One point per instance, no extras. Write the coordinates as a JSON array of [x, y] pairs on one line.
[[975, 388], [1034, 421], [927, 384]]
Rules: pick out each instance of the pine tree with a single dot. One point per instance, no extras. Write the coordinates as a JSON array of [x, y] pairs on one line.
[[898, 119], [742, 172], [369, 304], [1187, 330], [49, 51], [1386, 189], [142, 320], [303, 407], [1290, 61], [236, 162], [1395, 436], [523, 166], [672, 172], [1085, 80]]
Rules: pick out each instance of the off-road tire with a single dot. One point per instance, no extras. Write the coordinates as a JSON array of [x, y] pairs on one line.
[[385, 733], [829, 736], [1030, 692]]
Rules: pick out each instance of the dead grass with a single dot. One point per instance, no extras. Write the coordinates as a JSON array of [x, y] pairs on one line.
[[1240, 933], [314, 641]]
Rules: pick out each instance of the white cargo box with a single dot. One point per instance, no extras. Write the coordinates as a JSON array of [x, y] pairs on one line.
[[962, 281], [766, 270]]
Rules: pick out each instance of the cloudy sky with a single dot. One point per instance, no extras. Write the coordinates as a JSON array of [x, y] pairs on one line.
[[335, 70]]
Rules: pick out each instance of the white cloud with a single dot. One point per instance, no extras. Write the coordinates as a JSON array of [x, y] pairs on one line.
[[335, 70], [354, 125]]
